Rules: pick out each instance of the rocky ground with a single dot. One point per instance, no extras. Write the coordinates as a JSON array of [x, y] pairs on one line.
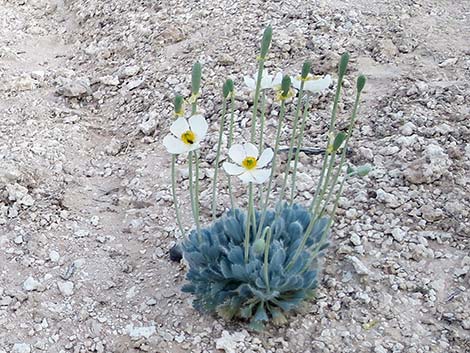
[[85, 208]]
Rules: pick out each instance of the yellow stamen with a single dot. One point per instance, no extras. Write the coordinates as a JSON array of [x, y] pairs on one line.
[[250, 163], [188, 137]]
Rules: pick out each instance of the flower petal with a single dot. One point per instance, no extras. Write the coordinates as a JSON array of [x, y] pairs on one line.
[[179, 126], [233, 169], [260, 175], [199, 126], [266, 80], [237, 153], [174, 145], [249, 82], [318, 85], [265, 158], [295, 82], [277, 79], [247, 177], [251, 150]]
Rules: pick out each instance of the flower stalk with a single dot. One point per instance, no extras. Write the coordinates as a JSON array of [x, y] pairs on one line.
[[305, 71], [248, 222], [342, 70], [217, 158], [284, 94], [229, 144], [265, 44]]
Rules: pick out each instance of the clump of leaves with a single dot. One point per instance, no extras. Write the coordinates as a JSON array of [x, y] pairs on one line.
[[271, 281]]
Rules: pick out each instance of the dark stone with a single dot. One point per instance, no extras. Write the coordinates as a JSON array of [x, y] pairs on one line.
[[176, 253]]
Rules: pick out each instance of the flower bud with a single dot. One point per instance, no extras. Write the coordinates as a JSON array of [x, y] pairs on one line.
[[285, 85], [227, 88], [306, 69], [361, 82], [339, 139], [196, 78], [266, 42], [178, 103], [258, 246], [343, 64]]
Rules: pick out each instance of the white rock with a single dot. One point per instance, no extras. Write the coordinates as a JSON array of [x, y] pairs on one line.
[[390, 199], [31, 284], [109, 80], [75, 88], [380, 349], [16, 192], [355, 239], [148, 126], [9, 175], [360, 268], [141, 331], [408, 129], [398, 234], [54, 256], [21, 348], [129, 71], [81, 233], [66, 288], [113, 147], [38, 75], [229, 343], [27, 200], [24, 83], [430, 168]]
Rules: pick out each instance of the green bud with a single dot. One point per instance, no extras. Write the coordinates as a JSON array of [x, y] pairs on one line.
[[339, 139], [363, 170], [227, 88], [178, 103], [266, 42], [349, 170], [196, 78], [343, 64], [361, 82], [258, 246], [285, 85], [306, 69]]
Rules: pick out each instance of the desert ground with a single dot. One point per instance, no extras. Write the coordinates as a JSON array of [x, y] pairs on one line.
[[86, 214]]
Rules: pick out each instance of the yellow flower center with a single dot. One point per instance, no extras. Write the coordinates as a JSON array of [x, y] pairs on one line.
[[249, 163], [188, 137]]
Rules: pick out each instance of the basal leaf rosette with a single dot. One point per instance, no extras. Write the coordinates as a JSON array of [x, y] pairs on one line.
[[268, 285]]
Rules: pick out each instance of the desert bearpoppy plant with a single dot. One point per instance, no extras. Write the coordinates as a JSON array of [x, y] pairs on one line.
[[259, 260]]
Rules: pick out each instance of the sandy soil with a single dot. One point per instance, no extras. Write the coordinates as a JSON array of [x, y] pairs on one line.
[[86, 218]]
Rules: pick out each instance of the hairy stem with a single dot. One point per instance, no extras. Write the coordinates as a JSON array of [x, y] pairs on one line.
[[173, 191], [316, 199], [191, 191], [256, 99], [297, 152], [217, 159], [196, 192], [229, 144], [267, 232], [248, 219], [291, 143], [282, 113]]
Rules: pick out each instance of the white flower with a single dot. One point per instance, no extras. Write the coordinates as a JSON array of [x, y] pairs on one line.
[[186, 137], [267, 81], [313, 83], [249, 167]]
